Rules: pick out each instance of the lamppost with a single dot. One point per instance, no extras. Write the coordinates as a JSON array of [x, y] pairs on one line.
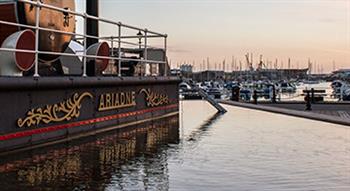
[[139, 34]]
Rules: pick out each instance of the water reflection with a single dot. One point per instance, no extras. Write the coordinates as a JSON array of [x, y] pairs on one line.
[[196, 134], [241, 150], [92, 163]]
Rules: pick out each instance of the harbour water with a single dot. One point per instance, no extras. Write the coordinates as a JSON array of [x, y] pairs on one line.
[[240, 150]]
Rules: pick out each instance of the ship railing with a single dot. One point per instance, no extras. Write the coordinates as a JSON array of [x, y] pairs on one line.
[[145, 35]]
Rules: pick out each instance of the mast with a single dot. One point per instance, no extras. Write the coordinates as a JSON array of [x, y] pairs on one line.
[[309, 66], [233, 68], [276, 64], [289, 63], [208, 64], [224, 65], [251, 61]]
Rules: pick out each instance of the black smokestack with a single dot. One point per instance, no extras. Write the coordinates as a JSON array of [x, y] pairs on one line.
[[92, 25]]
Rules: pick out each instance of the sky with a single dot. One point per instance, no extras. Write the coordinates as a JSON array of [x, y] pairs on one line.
[[222, 29]]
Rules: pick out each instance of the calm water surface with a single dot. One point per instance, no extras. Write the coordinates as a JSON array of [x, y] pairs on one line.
[[241, 150]]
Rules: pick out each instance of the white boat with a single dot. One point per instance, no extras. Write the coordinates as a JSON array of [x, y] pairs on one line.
[[311, 82], [287, 87], [341, 90]]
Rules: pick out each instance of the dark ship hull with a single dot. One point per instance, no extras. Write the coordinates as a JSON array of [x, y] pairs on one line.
[[47, 110]]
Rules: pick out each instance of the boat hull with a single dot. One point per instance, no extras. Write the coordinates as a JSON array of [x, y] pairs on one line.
[[36, 112]]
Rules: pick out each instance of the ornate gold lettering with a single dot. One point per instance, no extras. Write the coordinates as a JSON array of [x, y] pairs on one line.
[[122, 98], [64, 111], [155, 99], [102, 101], [116, 99], [128, 97], [133, 98], [110, 101]]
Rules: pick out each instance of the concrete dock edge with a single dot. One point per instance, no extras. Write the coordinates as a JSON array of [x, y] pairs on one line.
[[295, 113]]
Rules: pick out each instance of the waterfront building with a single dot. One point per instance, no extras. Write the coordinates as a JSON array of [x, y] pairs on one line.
[[264, 74]]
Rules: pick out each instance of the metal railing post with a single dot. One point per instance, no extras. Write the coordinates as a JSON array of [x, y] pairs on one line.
[[85, 45], [112, 55], [145, 52], [165, 55], [119, 50], [112, 46], [37, 25]]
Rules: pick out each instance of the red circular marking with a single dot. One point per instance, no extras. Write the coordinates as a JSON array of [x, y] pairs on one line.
[[103, 50], [26, 41]]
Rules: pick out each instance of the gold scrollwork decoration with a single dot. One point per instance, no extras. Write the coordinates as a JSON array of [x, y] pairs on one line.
[[155, 99], [64, 111]]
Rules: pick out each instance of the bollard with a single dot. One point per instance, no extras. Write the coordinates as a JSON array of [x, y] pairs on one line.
[[273, 94], [312, 95], [235, 93], [255, 97], [308, 101]]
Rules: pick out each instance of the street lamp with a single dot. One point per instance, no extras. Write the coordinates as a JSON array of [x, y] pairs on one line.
[[139, 34]]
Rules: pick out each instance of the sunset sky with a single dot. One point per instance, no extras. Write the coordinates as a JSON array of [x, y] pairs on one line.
[[220, 29]]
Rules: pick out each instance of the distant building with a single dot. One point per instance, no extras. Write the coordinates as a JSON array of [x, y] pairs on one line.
[[208, 75], [283, 74], [264, 74]]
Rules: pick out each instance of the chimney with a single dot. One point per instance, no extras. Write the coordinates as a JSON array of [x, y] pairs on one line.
[[92, 8]]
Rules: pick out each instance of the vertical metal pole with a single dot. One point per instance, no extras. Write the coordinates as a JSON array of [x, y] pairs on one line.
[[112, 55], [85, 45], [165, 55], [112, 46], [145, 51], [119, 50], [140, 43], [37, 20]]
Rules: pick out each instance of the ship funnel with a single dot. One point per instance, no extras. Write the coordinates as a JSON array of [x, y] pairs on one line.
[[95, 66], [14, 63]]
